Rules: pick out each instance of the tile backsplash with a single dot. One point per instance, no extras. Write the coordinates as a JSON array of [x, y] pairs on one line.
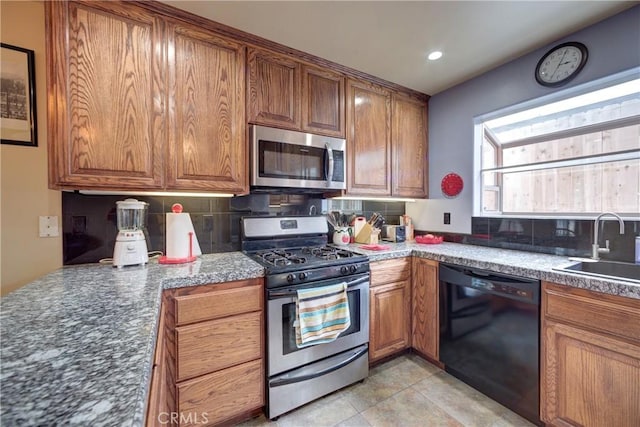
[[89, 225], [570, 237], [90, 228]]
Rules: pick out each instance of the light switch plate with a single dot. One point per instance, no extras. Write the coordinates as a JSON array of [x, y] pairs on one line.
[[49, 226]]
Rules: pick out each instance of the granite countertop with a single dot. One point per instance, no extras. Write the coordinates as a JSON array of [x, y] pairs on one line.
[[77, 344], [518, 263]]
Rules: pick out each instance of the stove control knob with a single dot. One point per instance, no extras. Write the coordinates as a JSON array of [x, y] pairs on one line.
[[291, 278], [353, 268], [302, 276], [344, 269]]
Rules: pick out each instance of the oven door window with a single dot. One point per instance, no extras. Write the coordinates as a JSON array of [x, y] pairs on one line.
[[291, 161], [289, 316]]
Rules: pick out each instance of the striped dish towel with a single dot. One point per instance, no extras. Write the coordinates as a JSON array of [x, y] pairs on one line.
[[322, 314]]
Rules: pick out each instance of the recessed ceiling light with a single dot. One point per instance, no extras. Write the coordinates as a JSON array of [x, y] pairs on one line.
[[436, 54]]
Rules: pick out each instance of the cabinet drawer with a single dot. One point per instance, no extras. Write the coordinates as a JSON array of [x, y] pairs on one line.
[[217, 303], [390, 271], [222, 395], [217, 344], [601, 312]]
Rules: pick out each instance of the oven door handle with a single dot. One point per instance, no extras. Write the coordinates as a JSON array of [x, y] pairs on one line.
[[292, 293], [305, 377]]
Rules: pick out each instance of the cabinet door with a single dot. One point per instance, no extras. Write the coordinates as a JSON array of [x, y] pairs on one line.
[[273, 94], [390, 308], [425, 315], [206, 112], [105, 85], [590, 358], [323, 102], [368, 139], [588, 379], [409, 142]]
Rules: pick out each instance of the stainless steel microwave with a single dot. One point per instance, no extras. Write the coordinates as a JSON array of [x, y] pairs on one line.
[[289, 159]]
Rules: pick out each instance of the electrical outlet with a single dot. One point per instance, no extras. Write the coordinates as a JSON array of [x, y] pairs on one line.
[[447, 217], [48, 226]]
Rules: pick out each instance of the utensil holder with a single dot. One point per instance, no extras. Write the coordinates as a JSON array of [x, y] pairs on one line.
[[341, 236]]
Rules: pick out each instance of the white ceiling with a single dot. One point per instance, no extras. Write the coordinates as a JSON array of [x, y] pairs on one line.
[[391, 39]]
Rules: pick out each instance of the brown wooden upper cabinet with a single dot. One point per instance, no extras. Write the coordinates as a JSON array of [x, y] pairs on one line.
[[368, 139], [138, 101], [409, 146], [323, 101], [286, 93], [106, 88], [142, 96], [387, 142], [207, 149], [273, 92]]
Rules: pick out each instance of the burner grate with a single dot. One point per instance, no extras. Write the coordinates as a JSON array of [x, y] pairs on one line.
[[327, 252], [280, 258]]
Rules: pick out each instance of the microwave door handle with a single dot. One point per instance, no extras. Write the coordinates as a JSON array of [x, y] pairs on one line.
[[330, 163]]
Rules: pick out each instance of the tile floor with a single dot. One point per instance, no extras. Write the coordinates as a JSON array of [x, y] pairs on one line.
[[406, 391]]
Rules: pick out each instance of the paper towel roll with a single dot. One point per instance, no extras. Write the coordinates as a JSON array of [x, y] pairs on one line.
[[178, 228]]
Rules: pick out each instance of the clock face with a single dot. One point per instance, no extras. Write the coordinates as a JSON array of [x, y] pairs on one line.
[[561, 64]]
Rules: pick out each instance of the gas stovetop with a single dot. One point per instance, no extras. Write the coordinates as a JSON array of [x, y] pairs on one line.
[[294, 250], [306, 257]]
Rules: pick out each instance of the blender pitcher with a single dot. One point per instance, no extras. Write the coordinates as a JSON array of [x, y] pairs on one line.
[[131, 243]]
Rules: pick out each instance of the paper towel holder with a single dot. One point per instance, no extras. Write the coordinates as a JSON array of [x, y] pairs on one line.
[[176, 208]]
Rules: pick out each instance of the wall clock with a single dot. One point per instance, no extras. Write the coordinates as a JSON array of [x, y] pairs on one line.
[[561, 64], [451, 185]]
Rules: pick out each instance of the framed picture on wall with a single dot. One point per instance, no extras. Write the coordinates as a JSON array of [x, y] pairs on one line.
[[17, 96]]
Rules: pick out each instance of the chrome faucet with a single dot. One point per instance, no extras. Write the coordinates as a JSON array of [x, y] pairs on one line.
[[595, 249]]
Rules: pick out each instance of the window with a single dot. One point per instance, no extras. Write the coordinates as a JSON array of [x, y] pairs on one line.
[[577, 156]]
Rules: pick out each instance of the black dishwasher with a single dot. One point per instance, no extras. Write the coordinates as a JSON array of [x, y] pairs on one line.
[[489, 334]]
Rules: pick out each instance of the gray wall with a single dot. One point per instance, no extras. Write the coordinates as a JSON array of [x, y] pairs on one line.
[[614, 46]]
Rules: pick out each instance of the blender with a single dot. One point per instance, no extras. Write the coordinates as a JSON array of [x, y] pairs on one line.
[[131, 243]]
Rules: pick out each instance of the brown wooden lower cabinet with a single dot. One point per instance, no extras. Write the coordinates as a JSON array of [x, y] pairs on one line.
[[590, 358], [209, 365], [389, 307], [425, 325], [158, 399], [221, 395], [217, 344]]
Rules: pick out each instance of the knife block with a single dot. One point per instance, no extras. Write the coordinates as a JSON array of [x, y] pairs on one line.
[[368, 235]]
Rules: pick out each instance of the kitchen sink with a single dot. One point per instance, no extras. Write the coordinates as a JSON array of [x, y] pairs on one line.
[[605, 269]]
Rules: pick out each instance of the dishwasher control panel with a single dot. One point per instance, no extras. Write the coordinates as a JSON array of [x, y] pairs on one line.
[[500, 287]]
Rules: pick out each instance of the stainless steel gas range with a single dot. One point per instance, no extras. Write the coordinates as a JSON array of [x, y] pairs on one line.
[[296, 257]]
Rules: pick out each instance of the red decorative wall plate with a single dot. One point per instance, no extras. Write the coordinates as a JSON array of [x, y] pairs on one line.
[[451, 185]]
